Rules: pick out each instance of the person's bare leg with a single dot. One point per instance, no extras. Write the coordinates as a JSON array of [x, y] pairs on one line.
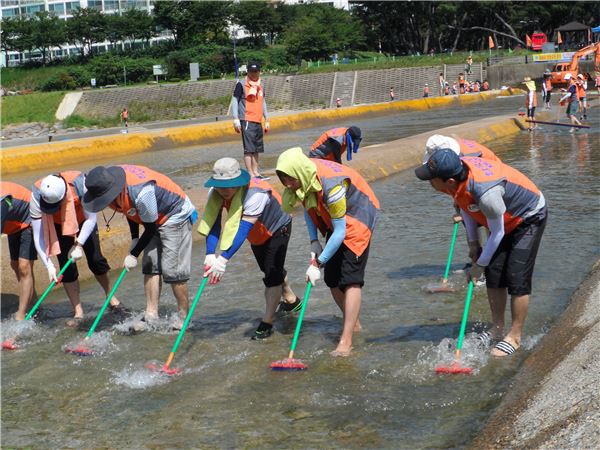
[[152, 288], [340, 300], [248, 163], [72, 290], [352, 303], [255, 164], [272, 296], [105, 283], [24, 271], [287, 293], [180, 291], [519, 306], [497, 300]]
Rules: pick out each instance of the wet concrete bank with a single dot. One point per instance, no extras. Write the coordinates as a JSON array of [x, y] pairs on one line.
[[60, 154], [554, 400], [373, 162]]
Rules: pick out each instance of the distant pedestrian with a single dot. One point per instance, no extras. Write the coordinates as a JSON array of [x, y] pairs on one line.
[[468, 65], [485, 86], [461, 82], [571, 98], [454, 89], [392, 94], [530, 101], [547, 88], [442, 83], [426, 90], [581, 84], [125, 119], [446, 88], [248, 107], [338, 102]]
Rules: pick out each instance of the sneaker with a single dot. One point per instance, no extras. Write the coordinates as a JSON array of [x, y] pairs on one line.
[[263, 331], [262, 177], [290, 307]]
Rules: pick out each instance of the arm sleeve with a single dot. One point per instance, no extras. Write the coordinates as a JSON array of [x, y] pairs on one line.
[[134, 229], [310, 225], [149, 231], [238, 92], [470, 226], [212, 240], [88, 227], [265, 111], [496, 234], [335, 241], [493, 207], [238, 240], [38, 240]]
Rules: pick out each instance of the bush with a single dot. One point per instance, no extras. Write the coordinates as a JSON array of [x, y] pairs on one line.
[[61, 81], [80, 76], [138, 69], [106, 69], [178, 63]]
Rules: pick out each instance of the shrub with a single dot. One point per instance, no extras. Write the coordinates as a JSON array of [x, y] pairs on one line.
[[80, 76], [61, 81], [178, 63]]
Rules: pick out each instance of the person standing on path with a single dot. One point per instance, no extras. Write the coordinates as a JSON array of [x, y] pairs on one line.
[[426, 90], [248, 107], [572, 104], [442, 83], [581, 84], [125, 119], [530, 101], [505, 201], [62, 228], [151, 199], [340, 204], [16, 223], [253, 211], [547, 88], [392, 94], [468, 65]]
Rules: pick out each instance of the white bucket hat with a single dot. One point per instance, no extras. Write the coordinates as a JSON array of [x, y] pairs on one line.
[[52, 191], [438, 142], [227, 173]]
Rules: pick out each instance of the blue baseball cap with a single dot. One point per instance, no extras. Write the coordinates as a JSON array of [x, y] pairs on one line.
[[444, 163]]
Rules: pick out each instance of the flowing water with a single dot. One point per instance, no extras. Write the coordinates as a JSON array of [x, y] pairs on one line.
[[385, 395]]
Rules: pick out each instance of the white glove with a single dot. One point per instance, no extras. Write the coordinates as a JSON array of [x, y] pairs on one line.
[[267, 126], [209, 261], [52, 272], [475, 272], [216, 270], [474, 250], [76, 252], [237, 125], [313, 274], [130, 262]]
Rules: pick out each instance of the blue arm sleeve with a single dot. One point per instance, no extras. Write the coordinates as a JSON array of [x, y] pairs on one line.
[[312, 228], [336, 239], [239, 239], [212, 240], [351, 146]]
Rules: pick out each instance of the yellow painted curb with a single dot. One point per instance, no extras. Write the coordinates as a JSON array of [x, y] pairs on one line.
[[63, 153]]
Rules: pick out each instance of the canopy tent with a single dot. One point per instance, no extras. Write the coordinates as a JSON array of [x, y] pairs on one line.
[[573, 26]]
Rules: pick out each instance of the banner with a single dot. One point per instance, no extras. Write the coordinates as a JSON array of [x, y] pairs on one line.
[[545, 57]]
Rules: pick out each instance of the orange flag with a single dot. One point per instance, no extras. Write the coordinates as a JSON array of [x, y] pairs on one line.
[[559, 39], [491, 43], [528, 42]]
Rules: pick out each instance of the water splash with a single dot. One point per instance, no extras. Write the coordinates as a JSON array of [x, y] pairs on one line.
[[531, 341], [135, 377], [23, 332], [98, 344], [162, 325]]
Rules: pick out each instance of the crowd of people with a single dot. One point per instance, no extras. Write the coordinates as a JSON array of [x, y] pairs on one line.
[[58, 217]]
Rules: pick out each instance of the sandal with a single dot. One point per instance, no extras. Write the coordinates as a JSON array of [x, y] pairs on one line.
[[486, 340], [505, 347], [290, 307]]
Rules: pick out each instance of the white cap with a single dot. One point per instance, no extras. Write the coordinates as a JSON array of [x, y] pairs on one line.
[[52, 189], [568, 76], [438, 142]]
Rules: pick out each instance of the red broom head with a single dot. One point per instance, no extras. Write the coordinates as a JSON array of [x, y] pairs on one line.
[[453, 370], [521, 113], [79, 351], [9, 344], [163, 369], [288, 364], [433, 289]]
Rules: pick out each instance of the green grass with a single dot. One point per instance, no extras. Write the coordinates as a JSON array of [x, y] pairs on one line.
[[36, 107], [16, 79], [76, 121]]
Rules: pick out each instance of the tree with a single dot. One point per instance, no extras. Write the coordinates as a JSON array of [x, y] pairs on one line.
[[309, 39], [47, 31], [137, 25], [17, 35], [86, 28], [114, 28], [258, 19]]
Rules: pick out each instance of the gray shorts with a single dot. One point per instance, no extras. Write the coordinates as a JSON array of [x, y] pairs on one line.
[[170, 253], [20, 245], [252, 137]]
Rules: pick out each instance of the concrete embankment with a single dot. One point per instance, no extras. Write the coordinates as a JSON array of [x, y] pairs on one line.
[[373, 162], [63, 153], [554, 400]]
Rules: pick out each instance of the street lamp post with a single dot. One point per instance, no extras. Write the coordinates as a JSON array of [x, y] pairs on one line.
[[235, 61]]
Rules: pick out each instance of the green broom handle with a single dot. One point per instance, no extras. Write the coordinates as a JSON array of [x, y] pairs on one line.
[[189, 316], [39, 302], [451, 252], [110, 296], [300, 317], [463, 324]]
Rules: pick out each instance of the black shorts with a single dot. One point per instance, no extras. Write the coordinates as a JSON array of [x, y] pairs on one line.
[[20, 245], [531, 112], [270, 256], [548, 96], [512, 265], [252, 137], [345, 268], [96, 261]]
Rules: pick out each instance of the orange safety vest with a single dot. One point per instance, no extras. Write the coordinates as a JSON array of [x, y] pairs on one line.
[[361, 204], [272, 218], [170, 198], [18, 217], [254, 106], [472, 148], [580, 90], [548, 84], [520, 197], [321, 150], [75, 182], [527, 100]]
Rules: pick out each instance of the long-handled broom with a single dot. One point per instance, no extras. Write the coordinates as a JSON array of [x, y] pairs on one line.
[[82, 349], [444, 286], [456, 367], [290, 363]]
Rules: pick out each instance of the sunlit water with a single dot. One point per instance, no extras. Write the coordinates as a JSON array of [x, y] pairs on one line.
[[385, 395]]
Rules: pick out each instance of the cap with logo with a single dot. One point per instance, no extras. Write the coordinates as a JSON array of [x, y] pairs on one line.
[[444, 163], [227, 174], [253, 67], [52, 191]]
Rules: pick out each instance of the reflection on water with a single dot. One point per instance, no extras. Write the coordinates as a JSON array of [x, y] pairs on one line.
[[386, 395]]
